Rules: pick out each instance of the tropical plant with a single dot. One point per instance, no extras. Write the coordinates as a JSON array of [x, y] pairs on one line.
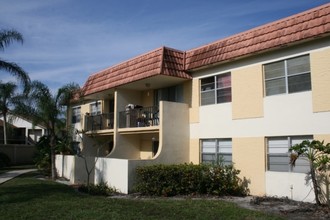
[[8, 90], [42, 157], [317, 153], [48, 109], [9, 98], [6, 38]]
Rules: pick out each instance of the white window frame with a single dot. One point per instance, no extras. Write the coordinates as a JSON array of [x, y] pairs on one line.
[[220, 149], [278, 150], [286, 76], [204, 88], [76, 115], [95, 108]]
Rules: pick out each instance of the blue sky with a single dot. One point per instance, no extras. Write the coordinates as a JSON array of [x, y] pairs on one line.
[[67, 40]]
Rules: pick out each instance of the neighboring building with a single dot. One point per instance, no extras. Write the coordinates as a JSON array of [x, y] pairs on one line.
[[21, 139], [243, 99], [21, 130]]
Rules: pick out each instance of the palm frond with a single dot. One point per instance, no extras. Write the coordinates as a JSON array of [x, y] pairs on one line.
[[17, 72], [9, 36]]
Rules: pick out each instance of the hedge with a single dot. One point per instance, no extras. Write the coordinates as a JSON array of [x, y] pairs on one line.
[[187, 179]]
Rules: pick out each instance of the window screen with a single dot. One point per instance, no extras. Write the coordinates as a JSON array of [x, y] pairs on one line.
[[278, 154], [216, 151], [288, 76], [216, 89]]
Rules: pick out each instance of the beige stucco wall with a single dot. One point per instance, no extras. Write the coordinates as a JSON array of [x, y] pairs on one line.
[[194, 108], [194, 151], [247, 92], [187, 92], [249, 157], [147, 98], [146, 145], [320, 71], [173, 133], [322, 137]]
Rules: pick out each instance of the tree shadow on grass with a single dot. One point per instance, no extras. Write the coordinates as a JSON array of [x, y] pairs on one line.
[[27, 188]]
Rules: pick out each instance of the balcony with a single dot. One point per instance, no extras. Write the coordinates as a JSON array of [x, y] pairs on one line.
[[99, 122], [139, 117]]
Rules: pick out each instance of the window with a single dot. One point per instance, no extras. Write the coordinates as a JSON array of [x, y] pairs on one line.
[[278, 154], [95, 108], [76, 115], [216, 89], [216, 151], [288, 76], [171, 94]]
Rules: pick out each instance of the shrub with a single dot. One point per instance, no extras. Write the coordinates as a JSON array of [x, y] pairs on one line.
[[4, 160], [187, 179], [101, 189]]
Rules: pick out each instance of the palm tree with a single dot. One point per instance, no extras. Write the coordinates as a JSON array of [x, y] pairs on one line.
[[8, 97], [6, 38], [46, 108], [318, 155]]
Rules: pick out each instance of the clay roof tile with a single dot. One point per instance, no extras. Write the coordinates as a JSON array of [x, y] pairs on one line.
[[302, 26]]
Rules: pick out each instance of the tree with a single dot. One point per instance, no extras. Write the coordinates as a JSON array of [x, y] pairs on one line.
[[317, 153], [6, 38], [48, 109], [8, 98]]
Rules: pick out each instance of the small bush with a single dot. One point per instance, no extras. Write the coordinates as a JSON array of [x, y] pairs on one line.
[[100, 189], [187, 179], [4, 160]]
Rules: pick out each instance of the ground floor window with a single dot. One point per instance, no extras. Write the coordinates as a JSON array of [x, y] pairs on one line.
[[216, 151], [278, 154]]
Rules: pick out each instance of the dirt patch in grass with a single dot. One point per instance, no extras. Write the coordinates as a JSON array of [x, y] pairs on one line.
[[283, 207]]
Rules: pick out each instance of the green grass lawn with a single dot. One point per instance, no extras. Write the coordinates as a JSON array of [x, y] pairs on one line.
[[26, 197]]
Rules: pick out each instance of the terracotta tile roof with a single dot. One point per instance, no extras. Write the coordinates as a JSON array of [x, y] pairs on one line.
[[296, 28], [162, 61], [170, 62]]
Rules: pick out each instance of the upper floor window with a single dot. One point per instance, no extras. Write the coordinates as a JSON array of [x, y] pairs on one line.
[[278, 154], [171, 94], [288, 76], [216, 151], [95, 108], [216, 89], [76, 114]]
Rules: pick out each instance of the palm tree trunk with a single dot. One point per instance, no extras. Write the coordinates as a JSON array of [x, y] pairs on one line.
[[52, 155], [4, 127], [315, 185]]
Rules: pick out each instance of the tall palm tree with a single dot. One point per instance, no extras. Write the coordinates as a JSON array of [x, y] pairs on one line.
[[6, 38], [46, 108], [8, 97]]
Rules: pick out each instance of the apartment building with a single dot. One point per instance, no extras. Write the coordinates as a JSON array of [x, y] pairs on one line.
[[244, 100]]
